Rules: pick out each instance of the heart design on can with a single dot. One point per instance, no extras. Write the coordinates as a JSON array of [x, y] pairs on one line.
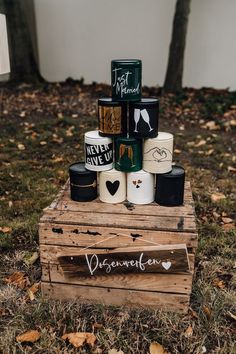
[[166, 265], [112, 186]]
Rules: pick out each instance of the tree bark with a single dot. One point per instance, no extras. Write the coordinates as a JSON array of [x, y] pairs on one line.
[[174, 73], [23, 64]]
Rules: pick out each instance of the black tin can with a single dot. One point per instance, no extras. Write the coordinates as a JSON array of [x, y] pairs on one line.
[[128, 154], [143, 118], [112, 117], [170, 187], [83, 183], [126, 79]]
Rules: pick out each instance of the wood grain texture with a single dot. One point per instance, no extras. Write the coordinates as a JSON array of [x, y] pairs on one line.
[[150, 222], [173, 283], [116, 297], [106, 237]]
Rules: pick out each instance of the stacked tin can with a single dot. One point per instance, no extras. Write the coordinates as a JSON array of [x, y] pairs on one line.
[[129, 153]]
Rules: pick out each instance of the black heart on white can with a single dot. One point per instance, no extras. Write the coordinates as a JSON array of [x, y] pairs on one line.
[[112, 186], [98, 152]]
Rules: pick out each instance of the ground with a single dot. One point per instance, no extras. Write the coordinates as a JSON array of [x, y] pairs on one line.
[[42, 132]]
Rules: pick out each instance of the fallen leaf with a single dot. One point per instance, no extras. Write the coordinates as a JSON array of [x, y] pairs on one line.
[[231, 169], [215, 197], [177, 151], [227, 220], [115, 351], [31, 258], [189, 332], [193, 313], [210, 152], [200, 143], [22, 114], [19, 279], [43, 143], [207, 311], [32, 290], [156, 348], [10, 203], [21, 147], [211, 125], [228, 227], [5, 229], [29, 336], [78, 339], [58, 159]]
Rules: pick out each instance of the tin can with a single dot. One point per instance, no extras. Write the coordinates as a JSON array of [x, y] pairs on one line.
[[98, 152], [112, 186], [128, 154], [112, 117], [140, 187], [83, 183], [143, 118], [170, 187], [157, 153], [126, 79]]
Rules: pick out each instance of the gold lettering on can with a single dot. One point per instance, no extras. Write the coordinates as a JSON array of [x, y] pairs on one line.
[[110, 120]]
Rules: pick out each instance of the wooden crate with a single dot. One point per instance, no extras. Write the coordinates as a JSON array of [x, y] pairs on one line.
[[70, 229]]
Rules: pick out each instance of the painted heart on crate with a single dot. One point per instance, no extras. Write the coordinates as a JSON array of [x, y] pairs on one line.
[[166, 265], [112, 186]]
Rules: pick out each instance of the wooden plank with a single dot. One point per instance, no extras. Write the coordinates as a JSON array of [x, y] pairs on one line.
[[116, 297], [106, 237], [146, 259], [150, 222], [150, 259], [173, 283]]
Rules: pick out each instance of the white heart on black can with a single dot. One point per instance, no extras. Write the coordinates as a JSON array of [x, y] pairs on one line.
[[98, 152], [158, 153], [140, 187], [112, 186]]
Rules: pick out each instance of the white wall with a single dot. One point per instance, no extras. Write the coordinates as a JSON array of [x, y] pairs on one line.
[[79, 38], [4, 52]]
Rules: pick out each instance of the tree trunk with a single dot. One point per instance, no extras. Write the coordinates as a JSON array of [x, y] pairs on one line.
[[22, 58], [174, 73]]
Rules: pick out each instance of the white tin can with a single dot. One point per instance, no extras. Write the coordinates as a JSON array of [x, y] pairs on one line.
[[112, 186], [98, 152], [158, 153], [140, 187]]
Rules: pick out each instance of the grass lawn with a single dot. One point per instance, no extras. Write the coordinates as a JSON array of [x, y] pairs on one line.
[[41, 133]]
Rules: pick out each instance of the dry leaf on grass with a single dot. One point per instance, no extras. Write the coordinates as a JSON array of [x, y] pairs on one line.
[[211, 125], [115, 351], [32, 290], [156, 348], [31, 258], [217, 283], [231, 315], [227, 220], [231, 169], [207, 311], [29, 336], [189, 332], [5, 229], [200, 143], [97, 325], [228, 227], [19, 279], [78, 339], [21, 147], [215, 197]]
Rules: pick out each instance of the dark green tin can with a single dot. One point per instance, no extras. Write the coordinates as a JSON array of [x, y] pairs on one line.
[[126, 79], [128, 154]]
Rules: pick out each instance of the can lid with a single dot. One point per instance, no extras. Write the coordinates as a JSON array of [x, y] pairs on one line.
[[128, 62], [94, 134], [140, 172], [163, 136], [79, 168], [128, 141], [145, 101], [112, 172], [107, 101], [176, 172]]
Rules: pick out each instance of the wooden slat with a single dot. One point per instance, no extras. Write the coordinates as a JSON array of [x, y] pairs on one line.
[[173, 283], [105, 237], [149, 222], [116, 297], [52, 253]]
